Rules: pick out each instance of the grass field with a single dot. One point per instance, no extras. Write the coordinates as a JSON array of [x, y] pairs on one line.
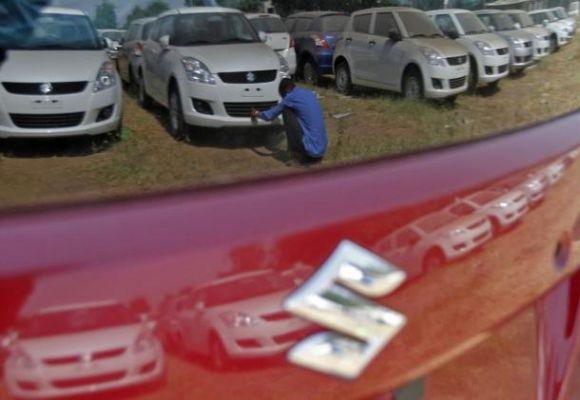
[[148, 159]]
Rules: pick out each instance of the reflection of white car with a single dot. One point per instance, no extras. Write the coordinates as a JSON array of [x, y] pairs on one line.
[[503, 209], [238, 318], [555, 172], [81, 349], [435, 239], [534, 185]]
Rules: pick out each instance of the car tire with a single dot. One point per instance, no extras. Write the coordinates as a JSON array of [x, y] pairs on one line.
[[494, 84], [310, 73], [413, 85], [433, 260], [473, 77], [554, 43], [217, 353], [343, 79], [177, 125], [116, 135], [144, 99]]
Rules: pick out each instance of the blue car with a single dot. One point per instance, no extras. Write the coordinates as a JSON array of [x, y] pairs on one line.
[[315, 35]]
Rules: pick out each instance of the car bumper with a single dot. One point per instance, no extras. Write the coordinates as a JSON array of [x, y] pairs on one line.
[[512, 216], [86, 103], [541, 49], [53, 382], [441, 82], [230, 104], [493, 68], [324, 62], [466, 245], [522, 58]]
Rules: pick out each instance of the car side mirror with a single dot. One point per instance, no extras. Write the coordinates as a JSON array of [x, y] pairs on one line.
[[395, 36], [517, 25], [165, 41], [263, 36]]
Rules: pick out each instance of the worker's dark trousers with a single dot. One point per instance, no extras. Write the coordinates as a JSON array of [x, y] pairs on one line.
[[295, 137]]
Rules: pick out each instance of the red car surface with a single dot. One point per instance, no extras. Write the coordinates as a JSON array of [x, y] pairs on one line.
[[209, 270]]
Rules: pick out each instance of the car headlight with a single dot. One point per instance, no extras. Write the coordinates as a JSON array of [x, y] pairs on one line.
[[433, 57], [485, 48], [106, 77], [502, 205], [21, 359], [144, 342], [455, 232], [196, 71], [239, 320], [284, 67]]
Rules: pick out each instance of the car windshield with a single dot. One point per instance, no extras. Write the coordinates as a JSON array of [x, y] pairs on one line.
[[470, 24], [62, 32], [484, 198], [213, 29], [502, 22], [523, 19], [540, 17], [77, 320], [435, 221], [334, 23], [418, 24], [268, 25], [559, 13]]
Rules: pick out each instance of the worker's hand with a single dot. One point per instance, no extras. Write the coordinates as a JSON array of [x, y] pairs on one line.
[[254, 114]]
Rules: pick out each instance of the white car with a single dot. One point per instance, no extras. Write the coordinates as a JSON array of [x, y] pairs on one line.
[[542, 36], [534, 185], [574, 9], [489, 53], [114, 38], [503, 209], [239, 317], [81, 349], [61, 84], [555, 171], [562, 16], [277, 36], [521, 43], [400, 49], [561, 34], [210, 68], [435, 239]]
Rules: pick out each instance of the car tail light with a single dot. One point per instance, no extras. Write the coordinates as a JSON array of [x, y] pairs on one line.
[[319, 41], [138, 51]]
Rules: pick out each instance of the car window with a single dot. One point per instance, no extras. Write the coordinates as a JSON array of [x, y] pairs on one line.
[[165, 27], [362, 23], [334, 23], [290, 24], [302, 25], [418, 24], [446, 24], [146, 31], [462, 209], [407, 238], [384, 24], [213, 29], [470, 24], [269, 25]]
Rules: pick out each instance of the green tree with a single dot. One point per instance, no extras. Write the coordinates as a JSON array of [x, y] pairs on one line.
[[106, 15]]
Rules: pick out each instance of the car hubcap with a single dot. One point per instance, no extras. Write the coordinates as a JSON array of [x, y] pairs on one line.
[[342, 79], [413, 88]]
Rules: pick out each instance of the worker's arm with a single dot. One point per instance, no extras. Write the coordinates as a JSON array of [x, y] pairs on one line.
[[274, 112]]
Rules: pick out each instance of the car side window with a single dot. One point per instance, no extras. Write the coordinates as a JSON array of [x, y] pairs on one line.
[[146, 32], [446, 24], [316, 25], [362, 23], [485, 19], [407, 238], [290, 22], [302, 25], [165, 27], [385, 23], [154, 31]]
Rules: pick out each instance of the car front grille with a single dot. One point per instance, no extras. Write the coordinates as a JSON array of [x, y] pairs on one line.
[[546, 37], [248, 77], [528, 44], [36, 89], [77, 359], [243, 110], [502, 68], [89, 381], [501, 52], [457, 82], [457, 60], [47, 121]]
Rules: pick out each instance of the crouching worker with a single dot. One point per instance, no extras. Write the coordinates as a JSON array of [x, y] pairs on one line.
[[303, 122]]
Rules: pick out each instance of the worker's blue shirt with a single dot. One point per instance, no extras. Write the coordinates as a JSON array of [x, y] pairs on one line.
[[309, 113]]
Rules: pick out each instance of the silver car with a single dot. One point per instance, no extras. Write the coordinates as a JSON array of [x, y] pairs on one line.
[[62, 84], [542, 36], [131, 52], [210, 68], [402, 50], [489, 53], [561, 34], [561, 15], [521, 43]]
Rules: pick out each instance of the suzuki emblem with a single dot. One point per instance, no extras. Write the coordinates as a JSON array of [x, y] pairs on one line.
[[251, 77], [46, 88], [336, 297]]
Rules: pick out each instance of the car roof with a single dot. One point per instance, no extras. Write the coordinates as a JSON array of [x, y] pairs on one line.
[[449, 11], [515, 11], [491, 11], [387, 9], [142, 21], [62, 10], [200, 10], [315, 14], [262, 15]]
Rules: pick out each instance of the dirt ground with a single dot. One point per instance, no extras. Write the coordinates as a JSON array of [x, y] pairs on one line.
[[148, 159]]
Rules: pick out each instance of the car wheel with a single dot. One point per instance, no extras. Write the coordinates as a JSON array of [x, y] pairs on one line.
[[116, 135], [310, 73], [494, 84], [218, 357], [554, 44], [343, 79], [433, 260], [473, 77], [177, 125], [144, 100], [413, 85]]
